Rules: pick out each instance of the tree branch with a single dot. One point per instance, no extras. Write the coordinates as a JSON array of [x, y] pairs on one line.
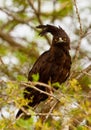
[[85, 71], [32, 85], [80, 32], [9, 39], [38, 14]]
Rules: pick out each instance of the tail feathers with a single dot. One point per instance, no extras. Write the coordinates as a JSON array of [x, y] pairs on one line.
[[22, 114], [19, 113]]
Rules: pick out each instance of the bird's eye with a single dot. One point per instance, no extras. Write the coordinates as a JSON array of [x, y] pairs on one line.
[[64, 39]]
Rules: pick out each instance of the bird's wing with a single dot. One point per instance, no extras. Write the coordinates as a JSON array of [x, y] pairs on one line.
[[40, 67]]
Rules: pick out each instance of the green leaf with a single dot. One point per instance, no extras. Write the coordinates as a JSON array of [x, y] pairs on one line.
[[25, 124], [21, 56], [56, 85], [3, 50], [21, 78], [35, 77]]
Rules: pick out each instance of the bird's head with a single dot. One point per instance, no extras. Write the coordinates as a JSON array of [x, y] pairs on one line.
[[59, 35]]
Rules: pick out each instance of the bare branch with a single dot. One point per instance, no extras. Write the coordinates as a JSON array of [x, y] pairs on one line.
[[38, 14], [16, 45], [17, 18], [80, 31], [86, 70], [50, 111], [35, 11], [31, 85], [9, 39], [79, 20]]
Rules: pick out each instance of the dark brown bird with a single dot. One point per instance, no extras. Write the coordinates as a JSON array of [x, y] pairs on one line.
[[53, 65]]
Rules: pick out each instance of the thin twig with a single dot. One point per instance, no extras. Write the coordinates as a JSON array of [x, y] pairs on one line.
[[82, 73], [38, 83], [17, 18], [86, 74], [38, 14], [50, 111], [80, 31], [79, 19], [35, 11], [41, 91], [80, 123], [45, 114]]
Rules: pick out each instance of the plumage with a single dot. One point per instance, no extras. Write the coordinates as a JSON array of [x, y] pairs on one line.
[[53, 65]]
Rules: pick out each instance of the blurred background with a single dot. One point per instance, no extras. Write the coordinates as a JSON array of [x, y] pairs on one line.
[[20, 44]]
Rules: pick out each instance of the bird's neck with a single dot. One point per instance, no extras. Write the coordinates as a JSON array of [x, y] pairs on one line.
[[57, 48]]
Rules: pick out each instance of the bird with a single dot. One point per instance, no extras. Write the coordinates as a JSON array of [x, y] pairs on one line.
[[52, 66]]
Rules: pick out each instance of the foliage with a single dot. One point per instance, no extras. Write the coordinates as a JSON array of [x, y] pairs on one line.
[[35, 77], [70, 107]]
